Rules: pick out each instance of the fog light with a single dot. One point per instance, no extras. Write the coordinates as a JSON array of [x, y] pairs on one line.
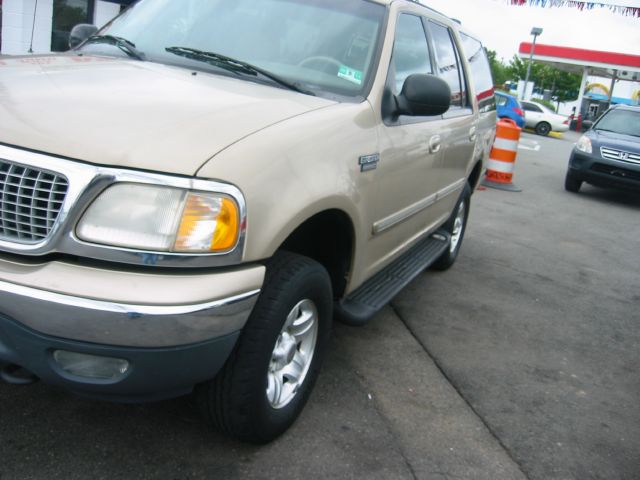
[[91, 366]]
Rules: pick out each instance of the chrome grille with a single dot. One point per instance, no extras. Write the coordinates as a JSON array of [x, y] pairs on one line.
[[30, 202], [622, 156]]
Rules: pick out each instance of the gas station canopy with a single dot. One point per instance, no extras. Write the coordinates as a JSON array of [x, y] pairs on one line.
[[616, 66], [576, 60]]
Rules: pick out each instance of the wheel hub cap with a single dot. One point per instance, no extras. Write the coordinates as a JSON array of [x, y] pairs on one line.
[[292, 354], [284, 352], [458, 225]]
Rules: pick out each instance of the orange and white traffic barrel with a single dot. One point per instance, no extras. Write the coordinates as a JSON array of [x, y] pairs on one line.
[[502, 158]]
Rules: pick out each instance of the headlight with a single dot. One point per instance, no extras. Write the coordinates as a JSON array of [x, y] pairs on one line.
[[156, 218], [584, 144]]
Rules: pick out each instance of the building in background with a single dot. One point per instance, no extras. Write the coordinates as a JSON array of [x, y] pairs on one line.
[[41, 26], [621, 71]]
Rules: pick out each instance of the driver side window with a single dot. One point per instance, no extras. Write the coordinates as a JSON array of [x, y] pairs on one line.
[[410, 52]]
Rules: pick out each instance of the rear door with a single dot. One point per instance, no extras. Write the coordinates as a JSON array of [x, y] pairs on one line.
[[485, 97], [533, 114]]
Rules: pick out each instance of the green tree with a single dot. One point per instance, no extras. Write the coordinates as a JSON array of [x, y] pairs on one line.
[[498, 69], [564, 86], [517, 69]]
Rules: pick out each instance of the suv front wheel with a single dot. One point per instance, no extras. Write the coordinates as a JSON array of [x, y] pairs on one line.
[[572, 183], [267, 379]]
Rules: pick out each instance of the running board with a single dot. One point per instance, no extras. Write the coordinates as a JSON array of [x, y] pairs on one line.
[[368, 299]]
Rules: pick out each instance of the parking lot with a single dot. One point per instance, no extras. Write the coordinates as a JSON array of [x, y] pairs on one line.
[[520, 362]]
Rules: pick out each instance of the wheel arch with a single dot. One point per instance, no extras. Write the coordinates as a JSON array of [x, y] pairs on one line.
[[327, 237], [474, 176]]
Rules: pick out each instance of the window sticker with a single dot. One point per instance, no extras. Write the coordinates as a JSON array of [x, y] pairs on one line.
[[350, 74]]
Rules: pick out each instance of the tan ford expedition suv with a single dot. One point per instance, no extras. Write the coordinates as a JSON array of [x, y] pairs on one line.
[[189, 197]]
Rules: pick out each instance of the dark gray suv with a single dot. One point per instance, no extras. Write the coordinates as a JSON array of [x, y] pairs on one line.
[[608, 155]]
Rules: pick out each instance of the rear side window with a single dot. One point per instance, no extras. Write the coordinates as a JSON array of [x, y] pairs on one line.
[[480, 73], [449, 64], [410, 51], [501, 101], [530, 107]]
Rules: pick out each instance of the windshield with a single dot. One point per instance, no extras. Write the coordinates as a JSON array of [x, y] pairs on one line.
[[626, 122], [317, 45]]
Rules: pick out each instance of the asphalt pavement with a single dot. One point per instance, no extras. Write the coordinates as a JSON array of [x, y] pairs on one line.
[[537, 326], [521, 362]]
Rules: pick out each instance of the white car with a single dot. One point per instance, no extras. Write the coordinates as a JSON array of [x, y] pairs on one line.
[[542, 119]]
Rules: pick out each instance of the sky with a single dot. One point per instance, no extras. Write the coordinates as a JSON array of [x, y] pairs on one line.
[[503, 27]]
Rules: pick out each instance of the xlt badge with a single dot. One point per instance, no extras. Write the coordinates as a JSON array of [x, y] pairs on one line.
[[369, 162]]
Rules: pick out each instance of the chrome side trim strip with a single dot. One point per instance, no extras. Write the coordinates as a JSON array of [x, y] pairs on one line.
[[398, 217], [454, 187], [402, 215]]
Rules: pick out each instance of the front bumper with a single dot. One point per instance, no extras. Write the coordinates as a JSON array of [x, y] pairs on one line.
[[602, 172], [154, 373], [178, 331]]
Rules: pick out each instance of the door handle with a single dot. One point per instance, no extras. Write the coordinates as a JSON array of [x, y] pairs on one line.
[[472, 133], [435, 143]]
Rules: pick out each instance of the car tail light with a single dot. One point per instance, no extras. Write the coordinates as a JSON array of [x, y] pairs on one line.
[[519, 112], [566, 122]]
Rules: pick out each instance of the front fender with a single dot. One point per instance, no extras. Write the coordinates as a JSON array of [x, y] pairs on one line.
[[297, 168]]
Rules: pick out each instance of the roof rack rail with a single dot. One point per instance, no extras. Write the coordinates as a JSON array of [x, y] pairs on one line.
[[418, 2]]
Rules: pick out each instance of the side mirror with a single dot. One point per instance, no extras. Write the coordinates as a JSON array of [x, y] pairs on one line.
[[423, 95], [80, 33]]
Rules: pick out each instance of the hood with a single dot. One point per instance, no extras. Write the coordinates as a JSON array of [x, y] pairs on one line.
[[615, 140], [121, 112]]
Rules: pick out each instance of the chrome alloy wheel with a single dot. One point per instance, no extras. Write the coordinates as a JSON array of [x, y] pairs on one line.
[[292, 354], [458, 226]]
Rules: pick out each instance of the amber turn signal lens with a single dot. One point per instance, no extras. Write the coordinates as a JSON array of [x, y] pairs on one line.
[[209, 223], [226, 234]]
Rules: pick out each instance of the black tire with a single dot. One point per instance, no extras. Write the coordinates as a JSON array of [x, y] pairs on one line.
[[456, 226], [235, 402], [572, 183], [543, 128]]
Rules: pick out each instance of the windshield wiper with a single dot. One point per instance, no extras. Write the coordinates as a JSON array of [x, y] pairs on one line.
[[233, 65], [123, 44], [616, 131]]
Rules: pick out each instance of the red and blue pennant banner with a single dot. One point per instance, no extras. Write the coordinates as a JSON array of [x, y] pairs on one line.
[[580, 5]]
